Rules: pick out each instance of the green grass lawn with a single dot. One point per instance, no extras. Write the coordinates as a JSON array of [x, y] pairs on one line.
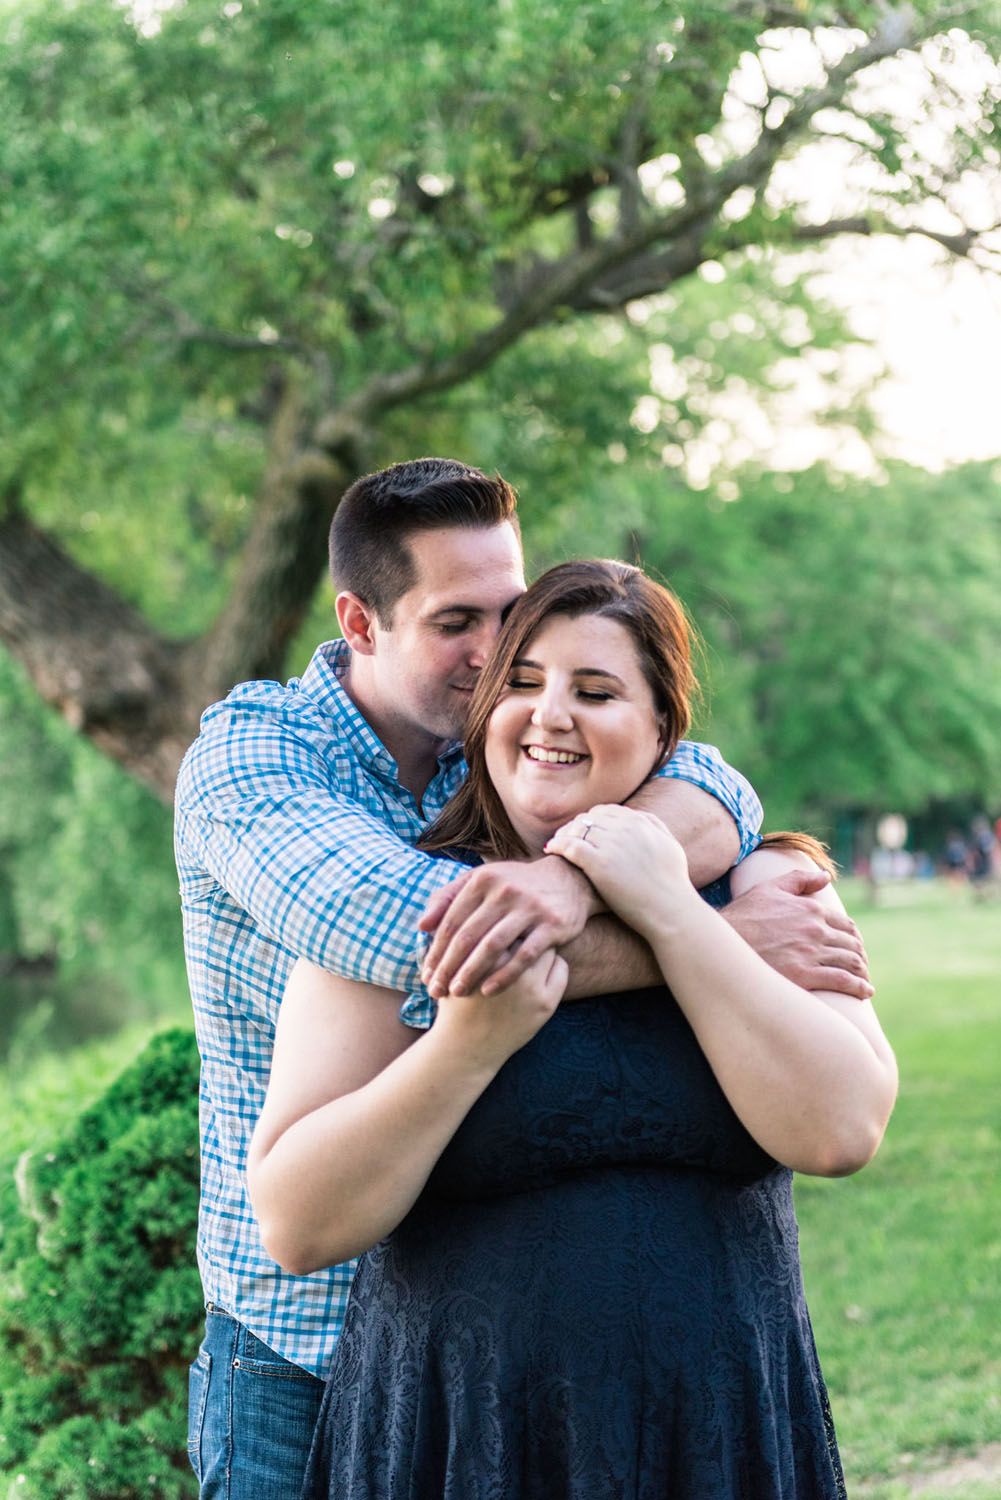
[[903, 1262]]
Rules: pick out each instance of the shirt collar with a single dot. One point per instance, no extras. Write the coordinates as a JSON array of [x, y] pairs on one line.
[[323, 683]]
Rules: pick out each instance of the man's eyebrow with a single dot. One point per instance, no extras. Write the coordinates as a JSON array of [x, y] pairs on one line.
[[456, 609]]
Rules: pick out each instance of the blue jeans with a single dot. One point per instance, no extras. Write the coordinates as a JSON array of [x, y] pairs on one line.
[[251, 1416]]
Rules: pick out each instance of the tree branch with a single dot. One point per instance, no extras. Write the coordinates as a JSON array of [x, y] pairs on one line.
[[188, 331], [961, 245], [584, 278], [135, 694]]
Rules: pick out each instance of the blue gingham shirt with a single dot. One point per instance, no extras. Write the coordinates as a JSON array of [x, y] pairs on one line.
[[294, 839]]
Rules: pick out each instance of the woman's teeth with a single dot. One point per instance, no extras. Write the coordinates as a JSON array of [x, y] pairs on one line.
[[552, 757]]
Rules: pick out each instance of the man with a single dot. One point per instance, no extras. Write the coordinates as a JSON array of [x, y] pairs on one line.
[[297, 809]]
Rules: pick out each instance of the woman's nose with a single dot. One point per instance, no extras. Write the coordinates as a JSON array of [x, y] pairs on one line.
[[552, 710]]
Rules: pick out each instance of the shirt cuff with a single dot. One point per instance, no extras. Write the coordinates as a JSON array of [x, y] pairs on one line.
[[419, 1008]]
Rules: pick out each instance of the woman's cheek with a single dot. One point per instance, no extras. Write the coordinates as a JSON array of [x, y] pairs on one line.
[[496, 751]]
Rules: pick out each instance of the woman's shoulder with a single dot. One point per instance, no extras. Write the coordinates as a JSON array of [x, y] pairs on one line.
[[769, 864], [766, 864]]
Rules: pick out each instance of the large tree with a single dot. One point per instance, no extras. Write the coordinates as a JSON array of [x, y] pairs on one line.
[[247, 253]]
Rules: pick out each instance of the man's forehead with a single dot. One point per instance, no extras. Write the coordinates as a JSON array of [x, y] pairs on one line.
[[466, 569], [463, 600]]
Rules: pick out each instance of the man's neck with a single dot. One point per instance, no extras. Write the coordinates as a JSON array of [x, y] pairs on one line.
[[415, 753]]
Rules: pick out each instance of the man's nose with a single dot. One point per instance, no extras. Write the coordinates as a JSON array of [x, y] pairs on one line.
[[481, 646]]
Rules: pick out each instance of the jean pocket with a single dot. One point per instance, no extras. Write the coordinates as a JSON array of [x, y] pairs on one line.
[[256, 1358], [199, 1375], [277, 1369]]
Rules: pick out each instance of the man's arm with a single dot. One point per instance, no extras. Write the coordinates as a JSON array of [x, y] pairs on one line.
[[789, 923], [786, 922], [697, 765], [607, 959], [816, 946], [320, 875], [702, 825]]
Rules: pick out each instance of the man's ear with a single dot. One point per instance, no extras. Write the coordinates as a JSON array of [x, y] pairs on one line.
[[357, 621]]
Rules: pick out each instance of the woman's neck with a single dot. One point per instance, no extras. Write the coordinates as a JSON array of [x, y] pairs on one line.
[[533, 835]]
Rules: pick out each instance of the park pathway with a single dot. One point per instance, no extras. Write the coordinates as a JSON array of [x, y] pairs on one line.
[[978, 1469]]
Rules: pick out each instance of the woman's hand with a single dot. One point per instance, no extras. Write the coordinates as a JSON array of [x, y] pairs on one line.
[[487, 1029], [633, 861]]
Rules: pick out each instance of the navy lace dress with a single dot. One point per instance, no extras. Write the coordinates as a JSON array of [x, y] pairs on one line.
[[597, 1296]]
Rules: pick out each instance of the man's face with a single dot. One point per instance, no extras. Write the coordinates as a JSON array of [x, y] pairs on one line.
[[444, 627]]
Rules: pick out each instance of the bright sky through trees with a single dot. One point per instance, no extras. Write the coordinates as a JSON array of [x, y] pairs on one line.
[[938, 328], [934, 321]]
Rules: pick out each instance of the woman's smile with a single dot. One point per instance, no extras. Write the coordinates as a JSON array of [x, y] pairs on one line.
[[545, 756]]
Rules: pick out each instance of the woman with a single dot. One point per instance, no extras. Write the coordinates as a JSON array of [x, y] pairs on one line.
[[589, 1284]]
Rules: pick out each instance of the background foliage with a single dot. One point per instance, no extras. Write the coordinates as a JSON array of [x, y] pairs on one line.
[[571, 240], [100, 1299]]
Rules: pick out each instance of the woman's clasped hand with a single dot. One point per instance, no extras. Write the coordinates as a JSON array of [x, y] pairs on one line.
[[489, 1028], [633, 861]]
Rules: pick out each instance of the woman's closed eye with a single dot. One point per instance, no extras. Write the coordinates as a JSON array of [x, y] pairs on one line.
[[519, 684]]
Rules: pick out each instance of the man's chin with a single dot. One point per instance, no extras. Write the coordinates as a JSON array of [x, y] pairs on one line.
[[458, 713], [451, 727]]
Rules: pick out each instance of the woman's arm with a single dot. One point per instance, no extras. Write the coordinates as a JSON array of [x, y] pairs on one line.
[[810, 1074], [359, 1106]]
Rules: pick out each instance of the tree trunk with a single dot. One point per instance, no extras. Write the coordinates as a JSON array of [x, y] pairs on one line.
[[134, 693], [282, 560], [91, 655]]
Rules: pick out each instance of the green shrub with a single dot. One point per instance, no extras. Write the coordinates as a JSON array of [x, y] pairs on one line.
[[100, 1302]]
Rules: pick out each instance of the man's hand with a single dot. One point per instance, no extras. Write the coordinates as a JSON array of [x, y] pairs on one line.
[[490, 925], [815, 946]]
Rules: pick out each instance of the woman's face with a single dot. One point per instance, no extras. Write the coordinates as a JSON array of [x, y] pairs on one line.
[[576, 725]]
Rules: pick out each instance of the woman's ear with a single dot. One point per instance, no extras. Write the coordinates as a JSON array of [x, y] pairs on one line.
[[357, 621], [663, 740]]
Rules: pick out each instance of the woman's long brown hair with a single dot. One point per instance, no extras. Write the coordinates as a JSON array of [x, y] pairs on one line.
[[475, 821]]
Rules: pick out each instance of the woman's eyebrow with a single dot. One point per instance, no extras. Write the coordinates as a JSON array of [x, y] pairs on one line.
[[524, 661], [598, 672]]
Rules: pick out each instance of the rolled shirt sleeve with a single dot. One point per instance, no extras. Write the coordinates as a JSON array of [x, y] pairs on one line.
[[704, 767]]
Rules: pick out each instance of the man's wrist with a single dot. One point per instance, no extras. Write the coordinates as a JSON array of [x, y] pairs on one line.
[[578, 882]]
